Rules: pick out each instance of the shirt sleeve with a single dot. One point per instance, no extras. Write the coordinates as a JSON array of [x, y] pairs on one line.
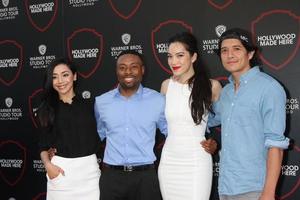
[[100, 126], [274, 116], [162, 122], [214, 119]]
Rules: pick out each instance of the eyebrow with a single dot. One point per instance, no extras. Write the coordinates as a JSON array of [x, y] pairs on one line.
[[177, 53], [61, 72]]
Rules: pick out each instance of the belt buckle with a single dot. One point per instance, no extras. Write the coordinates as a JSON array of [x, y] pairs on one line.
[[128, 168]]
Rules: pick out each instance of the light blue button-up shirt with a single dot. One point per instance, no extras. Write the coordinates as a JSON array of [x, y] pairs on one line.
[[252, 120], [129, 125]]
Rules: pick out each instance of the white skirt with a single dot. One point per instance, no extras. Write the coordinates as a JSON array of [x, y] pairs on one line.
[[80, 181]]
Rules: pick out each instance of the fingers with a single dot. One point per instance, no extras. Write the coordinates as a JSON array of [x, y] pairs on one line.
[[209, 145], [61, 171], [51, 152]]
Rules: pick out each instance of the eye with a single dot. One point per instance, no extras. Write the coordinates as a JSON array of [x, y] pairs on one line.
[[121, 68], [66, 75], [135, 66], [223, 50], [169, 56], [54, 77]]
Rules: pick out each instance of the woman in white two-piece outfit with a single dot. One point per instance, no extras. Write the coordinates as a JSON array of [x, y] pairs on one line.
[[185, 169], [67, 123]]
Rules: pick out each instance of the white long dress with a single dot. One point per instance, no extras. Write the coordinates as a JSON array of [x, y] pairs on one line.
[[185, 169]]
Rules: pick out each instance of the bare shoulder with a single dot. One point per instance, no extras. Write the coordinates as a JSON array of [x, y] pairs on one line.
[[164, 86], [216, 88]]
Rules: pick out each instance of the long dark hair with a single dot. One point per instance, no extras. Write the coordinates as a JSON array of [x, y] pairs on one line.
[[50, 98], [201, 94]]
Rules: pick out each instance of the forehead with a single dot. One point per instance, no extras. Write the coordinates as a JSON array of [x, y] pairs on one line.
[[128, 58], [176, 47], [61, 68], [231, 42]]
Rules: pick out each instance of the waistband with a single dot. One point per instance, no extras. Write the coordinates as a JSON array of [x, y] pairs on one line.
[[129, 168]]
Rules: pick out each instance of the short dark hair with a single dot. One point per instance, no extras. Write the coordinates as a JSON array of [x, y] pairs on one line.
[[133, 52], [245, 37]]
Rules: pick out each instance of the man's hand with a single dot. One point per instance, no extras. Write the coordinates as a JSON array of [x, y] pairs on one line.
[[209, 145]]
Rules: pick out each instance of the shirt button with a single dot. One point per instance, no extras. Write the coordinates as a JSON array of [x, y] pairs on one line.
[[232, 104], [126, 129], [228, 119]]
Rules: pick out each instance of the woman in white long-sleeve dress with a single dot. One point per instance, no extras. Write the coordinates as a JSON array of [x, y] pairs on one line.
[[185, 169]]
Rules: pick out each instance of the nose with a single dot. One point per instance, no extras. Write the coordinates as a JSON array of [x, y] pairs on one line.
[[128, 70], [59, 79], [173, 61], [230, 53]]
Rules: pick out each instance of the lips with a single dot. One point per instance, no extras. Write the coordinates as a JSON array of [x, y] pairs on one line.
[[129, 79], [175, 68]]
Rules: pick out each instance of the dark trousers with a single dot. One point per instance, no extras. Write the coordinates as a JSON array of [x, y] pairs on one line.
[[133, 185]]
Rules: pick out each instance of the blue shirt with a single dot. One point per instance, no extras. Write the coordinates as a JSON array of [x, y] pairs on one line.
[[129, 125], [252, 120]]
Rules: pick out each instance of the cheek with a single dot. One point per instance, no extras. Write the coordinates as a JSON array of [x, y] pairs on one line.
[[169, 61]]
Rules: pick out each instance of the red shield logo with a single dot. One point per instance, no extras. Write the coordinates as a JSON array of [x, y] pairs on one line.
[[125, 9], [13, 161], [41, 13], [276, 38], [33, 103], [40, 196], [12, 61], [159, 39], [220, 4], [85, 47]]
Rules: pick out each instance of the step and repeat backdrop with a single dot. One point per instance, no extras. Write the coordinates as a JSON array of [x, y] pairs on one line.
[[93, 32]]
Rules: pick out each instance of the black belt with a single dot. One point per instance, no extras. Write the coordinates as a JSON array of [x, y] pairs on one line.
[[129, 168]]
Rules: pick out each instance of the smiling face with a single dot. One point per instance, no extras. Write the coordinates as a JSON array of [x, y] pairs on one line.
[[130, 71], [235, 58], [181, 61], [63, 80]]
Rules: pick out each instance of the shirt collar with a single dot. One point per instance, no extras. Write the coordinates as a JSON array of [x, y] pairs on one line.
[[246, 76], [138, 93]]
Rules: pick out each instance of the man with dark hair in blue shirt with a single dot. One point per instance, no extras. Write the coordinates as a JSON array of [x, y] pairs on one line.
[[251, 110]]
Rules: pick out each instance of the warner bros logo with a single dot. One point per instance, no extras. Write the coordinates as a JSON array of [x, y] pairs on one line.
[[8, 102]]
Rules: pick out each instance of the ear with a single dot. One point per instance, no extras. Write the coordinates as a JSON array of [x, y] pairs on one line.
[[143, 69], [194, 57], [250, 54], [75, 77]]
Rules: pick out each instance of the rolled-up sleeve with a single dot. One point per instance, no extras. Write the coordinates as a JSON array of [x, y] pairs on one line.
[[274, 116]]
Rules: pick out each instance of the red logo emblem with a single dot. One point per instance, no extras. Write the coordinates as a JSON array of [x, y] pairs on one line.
[[12, 172], [124, 6], [267, 22], [41, 15], [9, 75], [220, 5], [161, 34], [33, 102], [85, 39], [40, 196]]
